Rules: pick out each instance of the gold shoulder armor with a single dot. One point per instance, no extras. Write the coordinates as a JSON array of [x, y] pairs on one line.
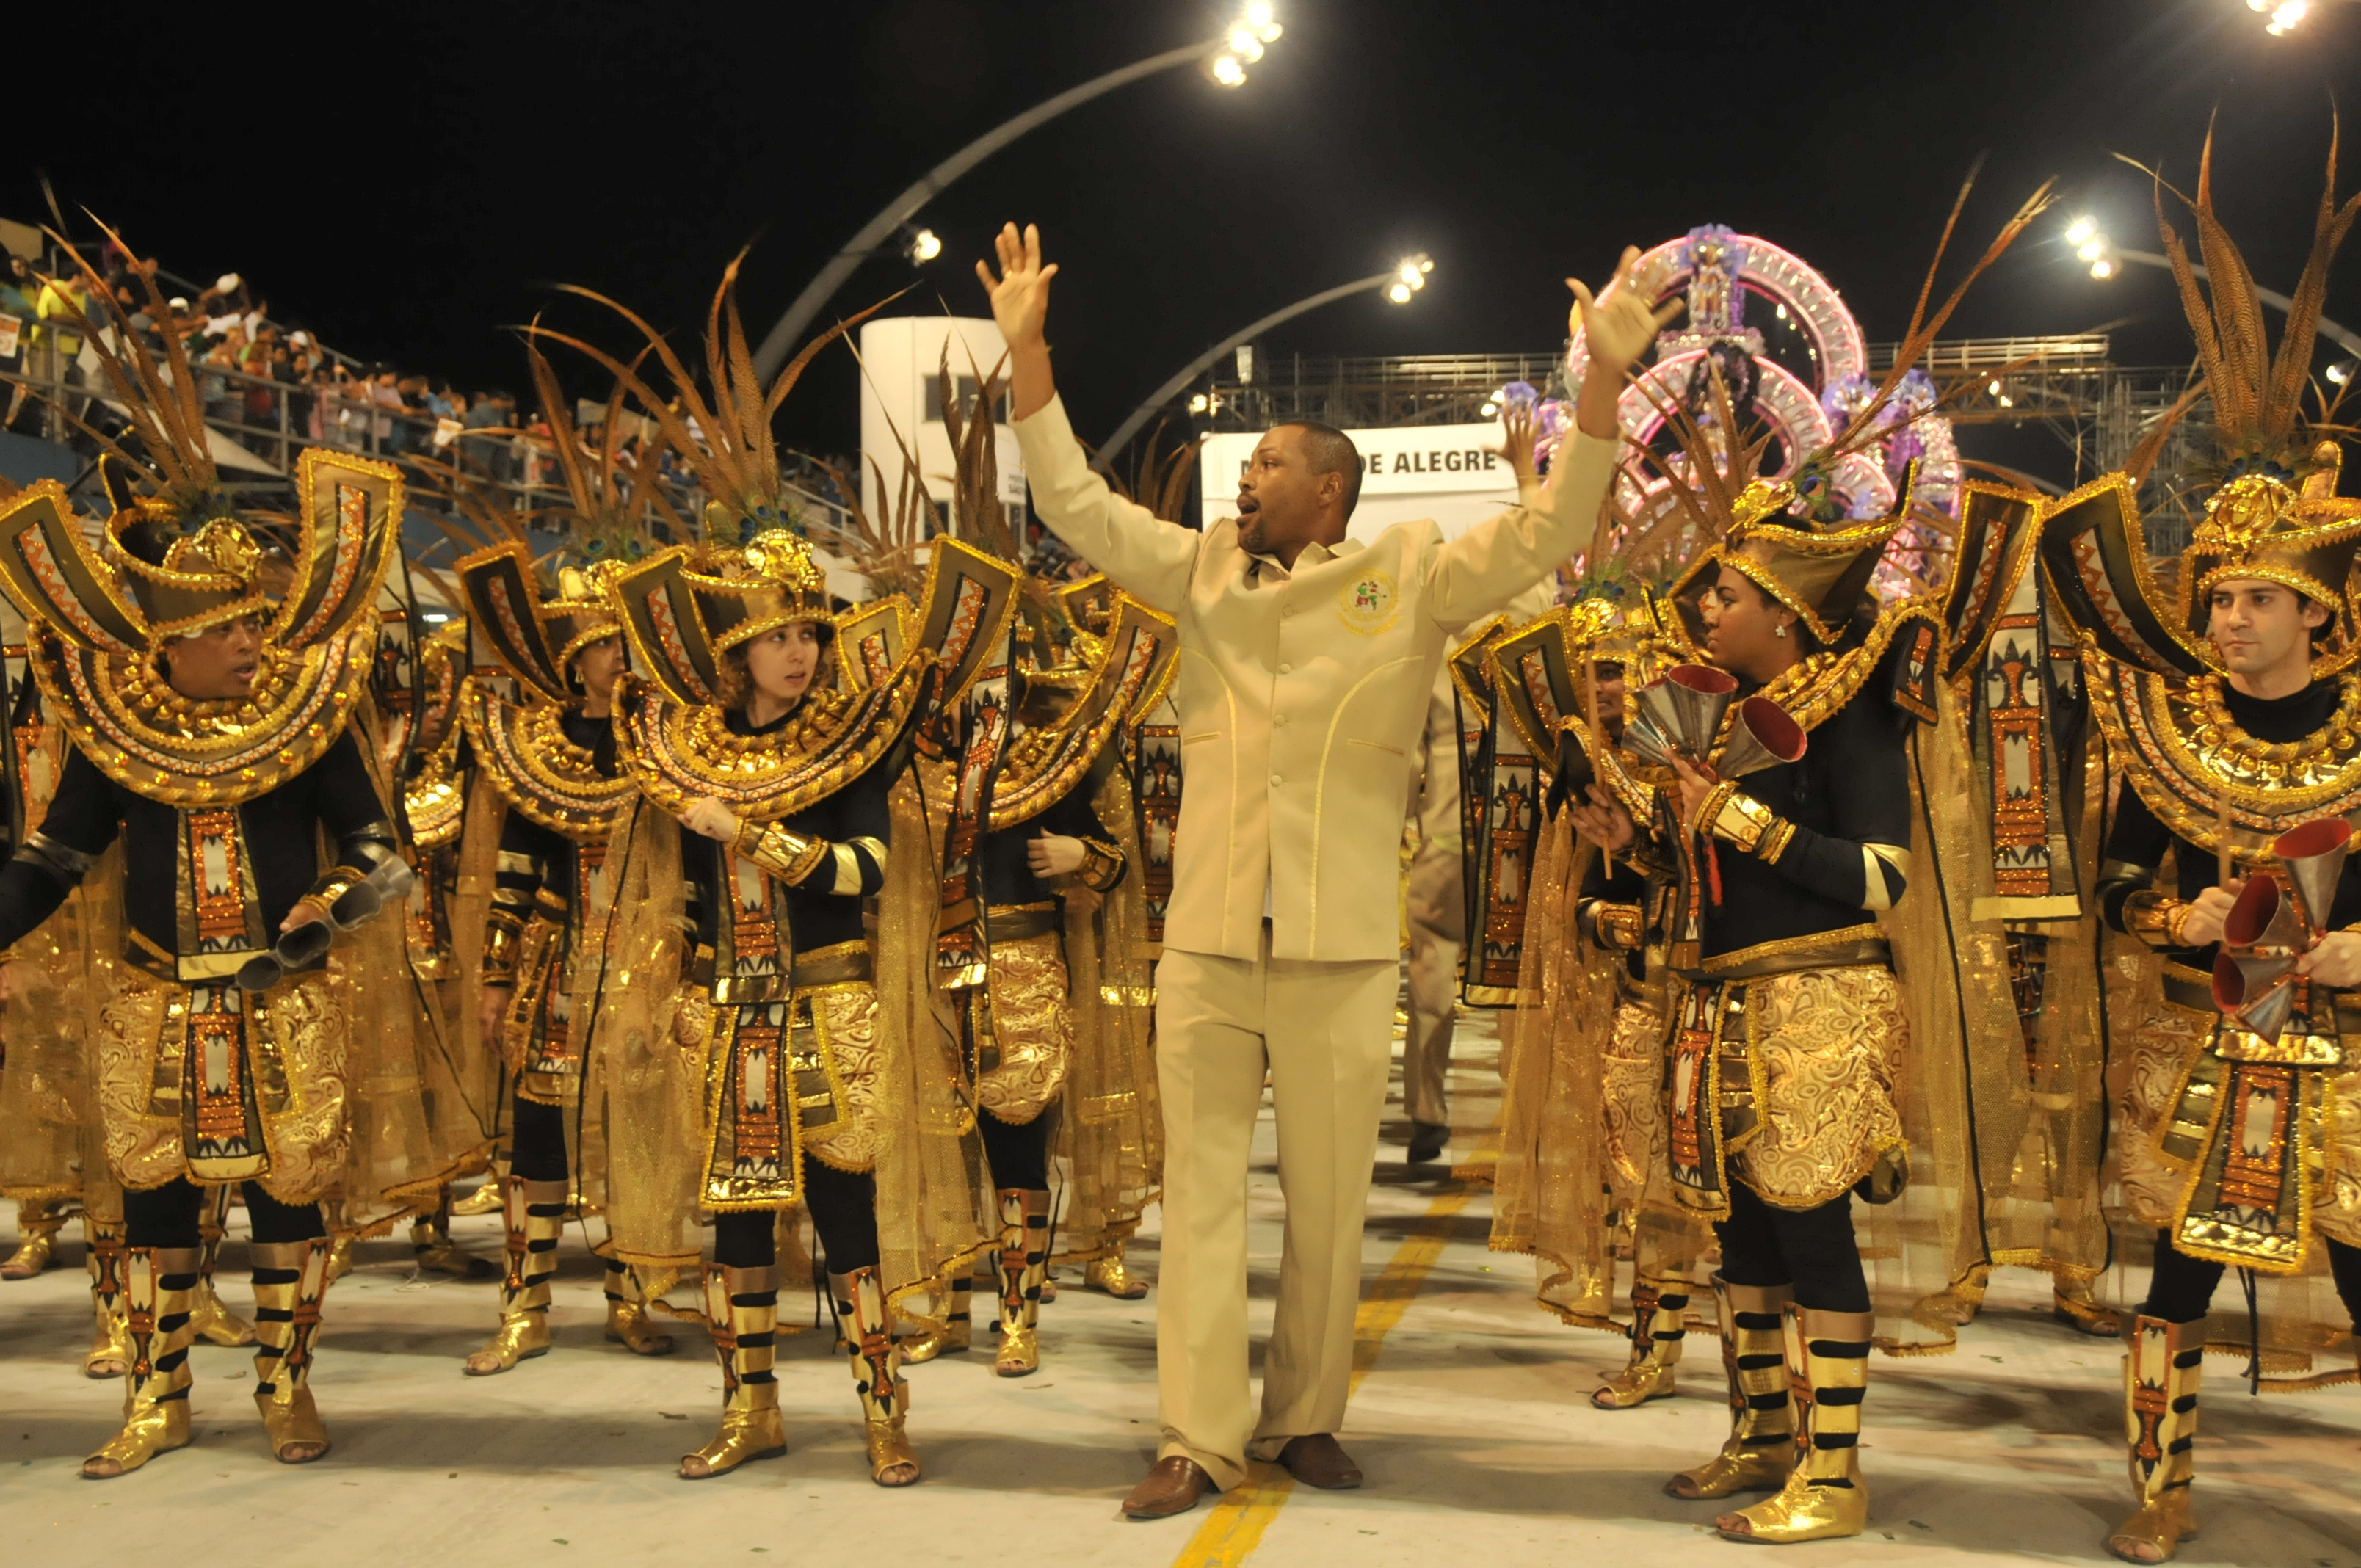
[[1135, 661], [2191, 764], [675, 752], [539, 772]]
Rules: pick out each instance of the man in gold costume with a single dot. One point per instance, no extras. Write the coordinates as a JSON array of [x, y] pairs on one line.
[[203, 1078], [2234, 717]]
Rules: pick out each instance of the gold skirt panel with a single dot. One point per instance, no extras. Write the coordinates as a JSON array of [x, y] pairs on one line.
[[537, 1035], [1022, 1030], [783, 1077], [2159, 1054], [2244, 1161], [1630, 1104], [286, 1068], [1825, 1044], [1784, 1082]]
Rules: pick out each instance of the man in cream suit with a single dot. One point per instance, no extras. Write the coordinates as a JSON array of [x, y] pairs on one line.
[[1305, 663]]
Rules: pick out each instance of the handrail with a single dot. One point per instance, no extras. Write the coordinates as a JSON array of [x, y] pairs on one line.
[[261, 454]]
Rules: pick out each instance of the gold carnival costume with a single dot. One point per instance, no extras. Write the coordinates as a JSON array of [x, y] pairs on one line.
[[1582, 1176], [1020, 768], [1801, 979], [802, 1060], [2233, 1143], [552, 761], [223, 1053], [420, 672]]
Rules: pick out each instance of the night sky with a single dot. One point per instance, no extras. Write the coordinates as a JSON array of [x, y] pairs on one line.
[[411, 180]]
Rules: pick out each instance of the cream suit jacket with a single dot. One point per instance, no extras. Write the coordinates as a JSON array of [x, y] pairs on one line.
[[1301, 697]]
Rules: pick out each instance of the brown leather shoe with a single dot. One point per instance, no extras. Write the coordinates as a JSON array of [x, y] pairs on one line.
[[1321, 1461], [1172, 1487]]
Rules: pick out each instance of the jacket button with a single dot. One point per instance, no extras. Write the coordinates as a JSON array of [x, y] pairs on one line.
[[1278, 719], [1286, 669], [1286, 609], [1274, 778]]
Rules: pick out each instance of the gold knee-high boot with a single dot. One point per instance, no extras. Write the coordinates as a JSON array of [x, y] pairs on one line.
[[157, 1283], [957, 1333], [1760, 1450], [1825, 1497], [877, 1375], [1107, 1274], [743, 1305], [208, 1314], [536, 1219], [627, 1322], [1023, 1265], [110, 1340], [38, 1220], [2162, 1365], [291, 1278], [1659, 1322]]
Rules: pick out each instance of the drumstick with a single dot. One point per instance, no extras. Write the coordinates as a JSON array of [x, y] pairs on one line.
[[1591, 703], [2222, 866]]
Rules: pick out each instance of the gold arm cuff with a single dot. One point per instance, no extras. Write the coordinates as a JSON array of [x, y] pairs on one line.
[[2156, 919], [1739, 819], [516, 863], [1619, 927], [788, 856], [1102, 865], [1774, 842], [501, 935], [339, 880]]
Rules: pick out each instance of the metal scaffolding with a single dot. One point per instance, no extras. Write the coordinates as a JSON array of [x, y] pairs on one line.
[[2070, 385]]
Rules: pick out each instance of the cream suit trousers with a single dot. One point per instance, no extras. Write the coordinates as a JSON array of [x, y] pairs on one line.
[[1324, 1030]]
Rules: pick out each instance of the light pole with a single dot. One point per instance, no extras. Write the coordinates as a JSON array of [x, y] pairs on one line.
[[2106, 258], [1223, 60], [1401, 285]]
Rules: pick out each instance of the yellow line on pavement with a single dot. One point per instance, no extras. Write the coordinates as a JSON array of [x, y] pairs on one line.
[[1234, 1530]]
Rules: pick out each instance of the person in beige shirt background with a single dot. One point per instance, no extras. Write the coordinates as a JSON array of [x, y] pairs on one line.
[[1306, 660]]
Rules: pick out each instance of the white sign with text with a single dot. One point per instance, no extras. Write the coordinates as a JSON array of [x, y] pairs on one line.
[[1453, 474]]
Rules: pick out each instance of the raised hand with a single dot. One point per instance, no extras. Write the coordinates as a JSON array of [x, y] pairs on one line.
[[1520, 433], [1020, 296], [1617, 325]]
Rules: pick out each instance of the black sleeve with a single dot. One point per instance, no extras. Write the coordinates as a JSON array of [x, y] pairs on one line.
[[346, 800], [2135, 845], [865, 811], [1865, 769], [83, 817]]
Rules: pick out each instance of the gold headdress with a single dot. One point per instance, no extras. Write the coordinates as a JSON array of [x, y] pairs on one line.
[[1789, 536], [2276, 515], [2273, 515], [536, 641]]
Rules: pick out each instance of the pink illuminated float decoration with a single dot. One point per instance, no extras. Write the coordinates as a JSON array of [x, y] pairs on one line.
[[1717, 268]]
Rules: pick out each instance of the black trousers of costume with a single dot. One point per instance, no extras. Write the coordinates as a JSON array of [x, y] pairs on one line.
[[844, 1211], [1812, 1250], [537, 1146], [1019, 1153], [168, 1216], [2182, 1288]]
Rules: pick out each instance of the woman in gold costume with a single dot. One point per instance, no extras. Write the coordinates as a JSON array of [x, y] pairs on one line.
[[800, 1063]]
